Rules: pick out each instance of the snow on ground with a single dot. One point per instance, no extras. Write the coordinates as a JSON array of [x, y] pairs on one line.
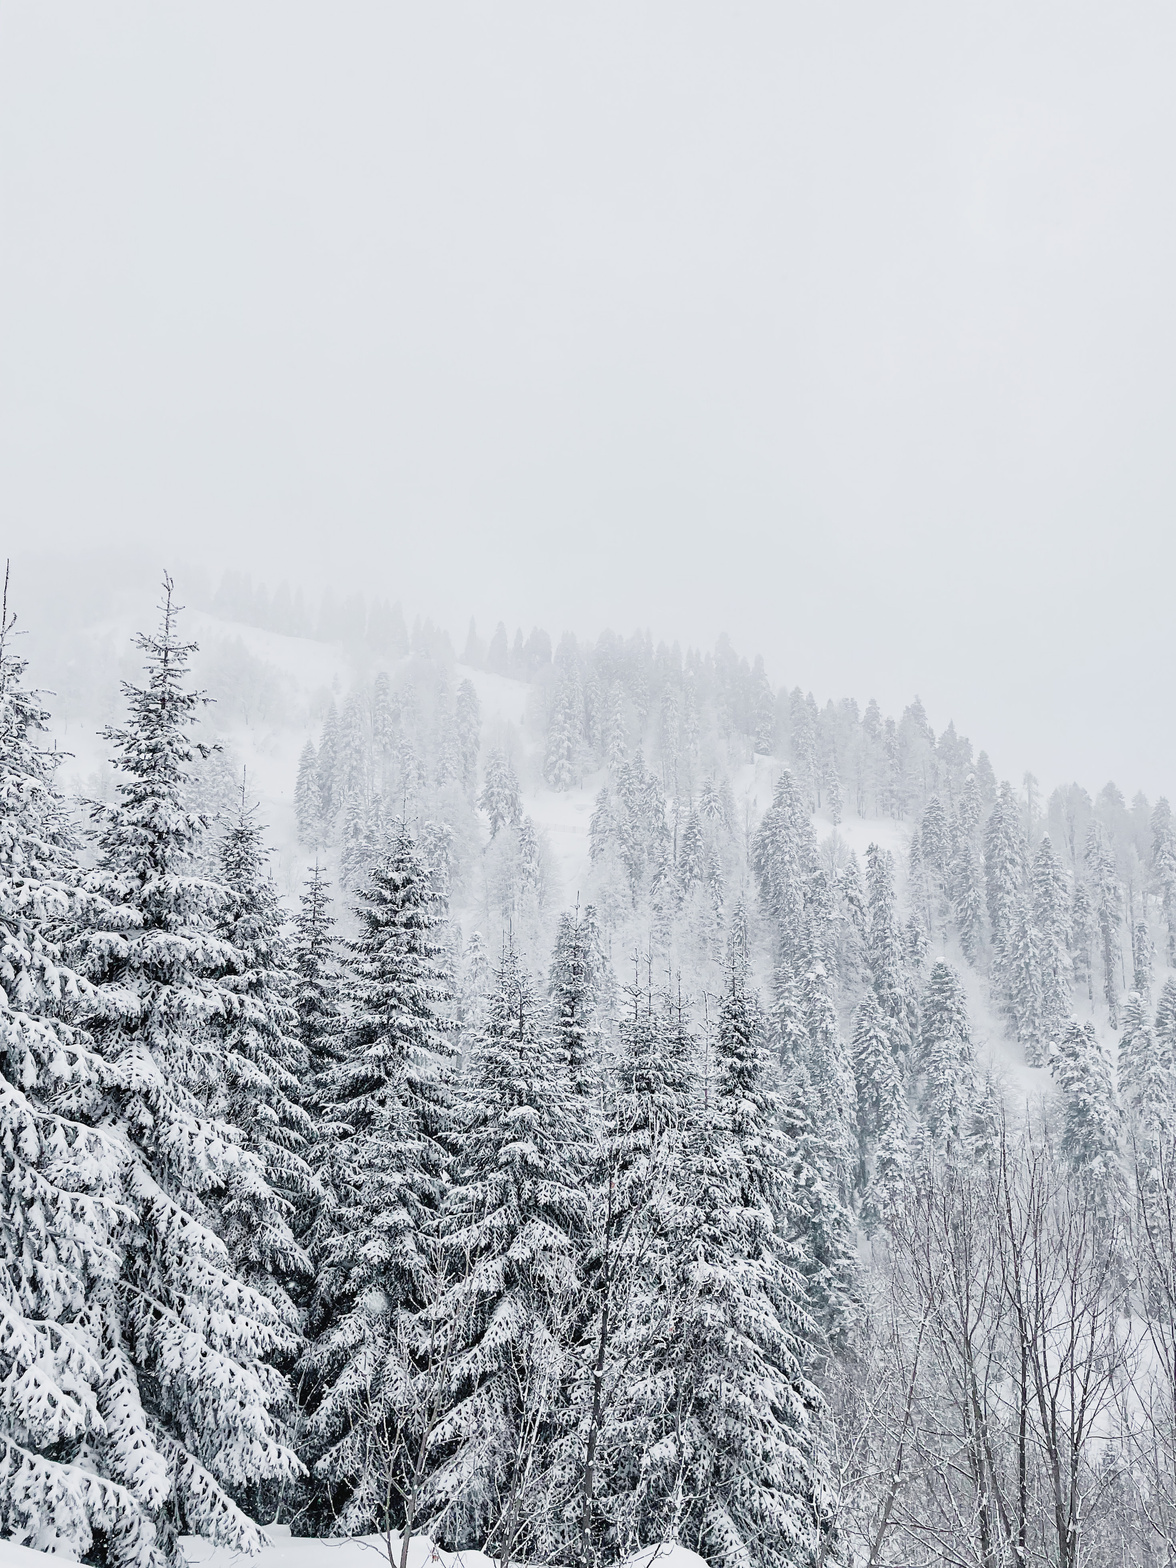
[[368, 1551]]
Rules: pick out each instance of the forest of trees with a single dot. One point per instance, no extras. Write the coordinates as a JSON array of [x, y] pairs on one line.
[[694, 1205]]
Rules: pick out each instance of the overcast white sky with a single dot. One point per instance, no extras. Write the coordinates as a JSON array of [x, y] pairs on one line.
[[846, 328]]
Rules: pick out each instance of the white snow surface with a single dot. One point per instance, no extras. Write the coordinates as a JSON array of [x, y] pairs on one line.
[[372, 1551]]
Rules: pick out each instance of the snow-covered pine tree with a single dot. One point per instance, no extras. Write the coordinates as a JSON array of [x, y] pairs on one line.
[[1004, 868], [575, 980], [565, 735], [733, 1468], [196, 1410], [1141, 959], [1163, 861], [64, 1469], [318, 1008], [307, 802], [500, 798], [638, 1183], [830, 1076], [1106, 896], [945, 1057], [1091, 1115], [468, 721], [1146, 1081], [511, 1232], [384, 1172], [876, 1078], [966, 873], [264, 1076], [327, 768], [884, 952], [784, 856], [1051, 905]]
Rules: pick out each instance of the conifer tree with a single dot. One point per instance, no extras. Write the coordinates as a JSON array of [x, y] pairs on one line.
[[1107, 902], [264, 1075], [1141, 959], [1091, 1115], [69, 1482], [733, 1468], [186, 1346], [318, 1008], [884, 952], [327, 768], [565, 735], [967, 887], [1051, 918], [384, 1173], [639, 1184], [575, 982], [1163, 860], [513, 1217], [784, 859], [307, 804], [945, 1057], [1146, 1081], [500, 798], [469, 734], [1004, 864]]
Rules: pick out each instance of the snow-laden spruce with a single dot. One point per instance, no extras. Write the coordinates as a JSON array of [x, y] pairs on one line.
[[385, 1113], [69, 1478], [198, 1412], [511, 1231]]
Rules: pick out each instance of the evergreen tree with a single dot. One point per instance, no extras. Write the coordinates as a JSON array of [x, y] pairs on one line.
[[306, 795], [264, 1074], [1163, 860], [784, 858], [1141, 958], [469, 734], [327, 768], [384, 1172], [195, 1405], [69, 1480], [1146, 1080], [500, 799], [884, 952], [638, 1185], [513, 1218], [561, 762], [1107, 902], [1091, 1116], [945, 1057], [575, 981], [732, 1465], [1051, 919], [318, 1008], [1004, 863]]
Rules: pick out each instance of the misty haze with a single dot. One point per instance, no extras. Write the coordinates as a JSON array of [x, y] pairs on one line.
[[587, 884]]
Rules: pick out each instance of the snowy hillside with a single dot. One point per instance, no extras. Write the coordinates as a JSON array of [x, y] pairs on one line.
[[565, 1099]]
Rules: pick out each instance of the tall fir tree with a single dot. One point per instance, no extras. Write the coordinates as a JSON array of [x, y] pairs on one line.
[[575, 984], [70, 1478], [734, 1470], [264, 1076], [307, 800], [389, 1103], [1091, 1114], [317, 994], [186, 1345], [513, 1218], [500, 798], [1106, 897], [945, 1057]]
